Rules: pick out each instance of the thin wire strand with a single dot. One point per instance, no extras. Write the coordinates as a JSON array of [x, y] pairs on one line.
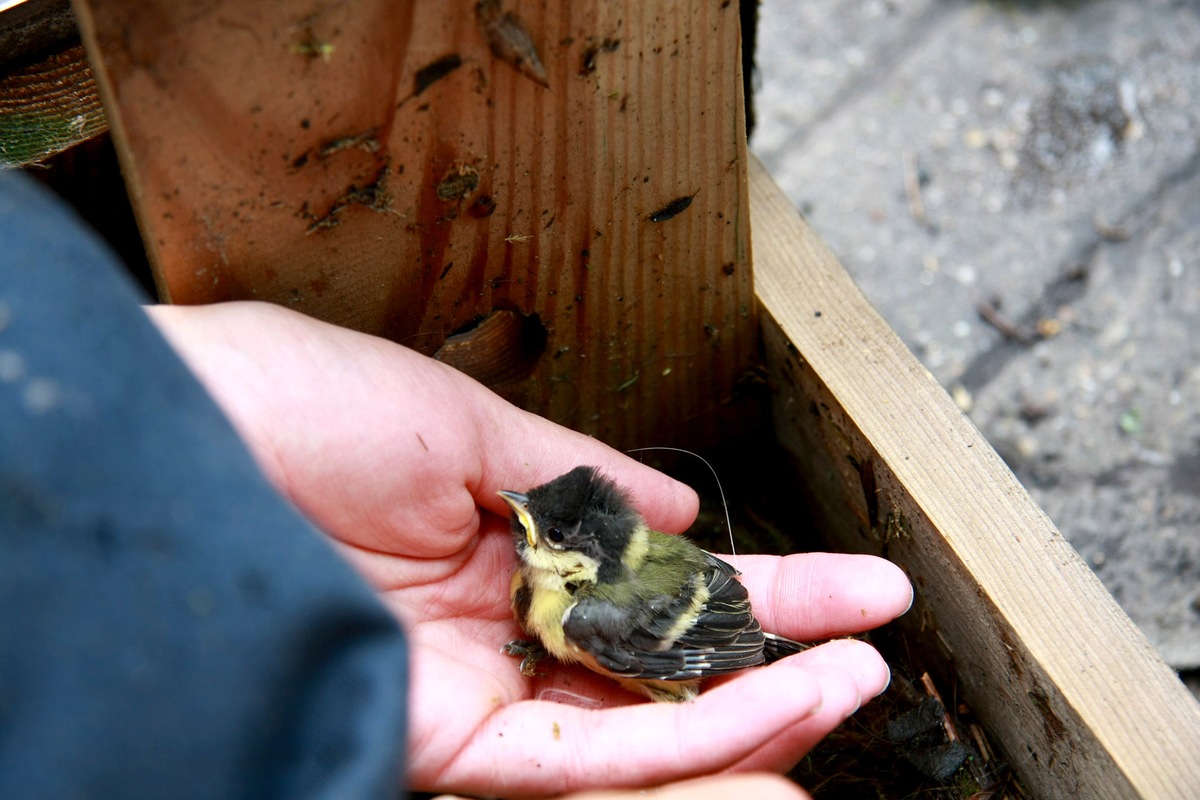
[[717, 478]]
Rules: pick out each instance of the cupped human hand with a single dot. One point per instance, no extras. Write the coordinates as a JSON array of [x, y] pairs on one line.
[[398, 458], [760, 786]]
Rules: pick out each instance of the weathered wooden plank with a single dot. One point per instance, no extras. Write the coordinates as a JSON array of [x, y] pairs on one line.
[[1079, 700], [376, 164], [48, 105]]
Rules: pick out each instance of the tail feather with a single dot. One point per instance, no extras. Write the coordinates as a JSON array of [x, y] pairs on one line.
[[777, 647]]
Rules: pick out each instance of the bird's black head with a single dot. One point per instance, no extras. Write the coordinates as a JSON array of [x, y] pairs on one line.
[[580, 512]]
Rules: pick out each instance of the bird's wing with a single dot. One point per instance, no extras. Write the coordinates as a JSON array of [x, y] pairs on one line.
[[642, 640]]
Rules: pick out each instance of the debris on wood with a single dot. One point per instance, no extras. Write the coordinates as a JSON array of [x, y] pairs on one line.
[[310, 45], [373, 195], [510, 41], [606, 45], [483, 207], [314, 49], [433, 72], [367, 141], [673, 208], [460, 181]]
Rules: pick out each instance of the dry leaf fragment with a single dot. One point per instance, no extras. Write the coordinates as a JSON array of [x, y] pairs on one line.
[[434, 71], [460, 181], [510, 41], [673, 208]]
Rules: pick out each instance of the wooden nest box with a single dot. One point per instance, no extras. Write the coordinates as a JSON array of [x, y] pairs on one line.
[[557, 198]]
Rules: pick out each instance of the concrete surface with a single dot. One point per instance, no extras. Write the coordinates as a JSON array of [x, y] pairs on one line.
[[1016, 187]]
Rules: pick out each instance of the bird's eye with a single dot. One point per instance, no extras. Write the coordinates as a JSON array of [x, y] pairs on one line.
[[555, 535]]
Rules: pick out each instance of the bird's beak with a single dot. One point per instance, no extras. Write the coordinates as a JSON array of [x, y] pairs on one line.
[[519, 503]]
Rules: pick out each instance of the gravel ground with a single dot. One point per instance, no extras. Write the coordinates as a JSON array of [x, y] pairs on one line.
[[1016, 187]]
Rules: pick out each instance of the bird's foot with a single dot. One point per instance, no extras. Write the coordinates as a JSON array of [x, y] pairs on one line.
[[530, 652]]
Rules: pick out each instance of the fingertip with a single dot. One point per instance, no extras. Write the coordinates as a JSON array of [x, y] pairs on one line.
[[807, 596], [840, 694], [881, 590], [856, 659], [895, 585]]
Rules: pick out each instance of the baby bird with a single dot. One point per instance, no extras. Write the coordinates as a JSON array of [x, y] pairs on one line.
[[596, 586]]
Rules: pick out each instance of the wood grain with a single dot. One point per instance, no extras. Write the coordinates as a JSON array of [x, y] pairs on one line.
[[1079, 700], [377, 165], [47, 106]]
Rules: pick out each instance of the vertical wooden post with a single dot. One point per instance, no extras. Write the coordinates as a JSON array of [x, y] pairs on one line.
[[575, 233]]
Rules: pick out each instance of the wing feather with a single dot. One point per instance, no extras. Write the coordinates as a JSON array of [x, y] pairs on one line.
[[642, 640]]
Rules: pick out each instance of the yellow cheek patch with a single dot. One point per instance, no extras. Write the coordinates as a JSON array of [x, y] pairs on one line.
[[519, 504], [527, 523]]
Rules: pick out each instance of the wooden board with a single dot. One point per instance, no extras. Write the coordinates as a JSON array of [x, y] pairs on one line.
[[1081, 703], [48, 106], [378, 165]]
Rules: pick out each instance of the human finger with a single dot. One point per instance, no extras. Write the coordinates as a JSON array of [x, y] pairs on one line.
[[841, 696], [818, 595], [538, 748], [857, 659], [761, 786]]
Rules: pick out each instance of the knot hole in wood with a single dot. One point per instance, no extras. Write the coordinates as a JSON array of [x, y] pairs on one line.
[[499, 349]]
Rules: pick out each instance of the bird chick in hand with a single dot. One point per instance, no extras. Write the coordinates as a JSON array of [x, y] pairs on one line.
[[597, 587]]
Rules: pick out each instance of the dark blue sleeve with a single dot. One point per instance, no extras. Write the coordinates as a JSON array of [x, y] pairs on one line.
[[169, 625]]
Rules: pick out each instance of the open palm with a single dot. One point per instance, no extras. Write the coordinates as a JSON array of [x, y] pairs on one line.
[[398, 459]]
